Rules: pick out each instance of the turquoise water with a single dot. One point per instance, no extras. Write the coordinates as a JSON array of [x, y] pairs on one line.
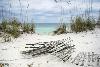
[[46, 28]]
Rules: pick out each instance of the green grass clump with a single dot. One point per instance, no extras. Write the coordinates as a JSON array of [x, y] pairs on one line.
[[80, 24], [15, 32], [32, 28], [15, 22], [90, 24], [4, 25], [15, 28], [27, 28], [10, 27], [61, 29]]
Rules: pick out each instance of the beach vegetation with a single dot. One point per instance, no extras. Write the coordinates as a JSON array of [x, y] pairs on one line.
[[15, 22], [11, 27], [15, 32], [32, 28], [80, 24], [90, 23], [26, 28], [15, 28], [29, 28], [98, 20], [4, 25], [61, 29]]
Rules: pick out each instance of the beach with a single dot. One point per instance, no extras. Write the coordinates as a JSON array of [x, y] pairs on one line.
[[10, 52], [49, 33]]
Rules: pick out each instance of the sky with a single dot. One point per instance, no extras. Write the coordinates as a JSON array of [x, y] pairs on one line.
[[47, 11]]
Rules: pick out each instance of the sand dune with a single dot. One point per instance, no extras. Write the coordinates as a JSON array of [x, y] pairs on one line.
[[10, 52]]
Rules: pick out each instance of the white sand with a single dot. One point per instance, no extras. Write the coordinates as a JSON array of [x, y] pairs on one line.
[[10, 51]]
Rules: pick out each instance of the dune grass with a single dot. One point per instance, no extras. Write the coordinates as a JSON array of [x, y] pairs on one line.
[[61, 29], [28, 28], [80, 24], [14, 27]]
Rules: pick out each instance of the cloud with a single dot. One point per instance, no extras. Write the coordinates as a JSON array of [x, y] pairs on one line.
[[47, 8]]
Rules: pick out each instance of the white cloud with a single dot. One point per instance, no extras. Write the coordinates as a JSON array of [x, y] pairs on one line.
[[96, 6], [50, 5], [45, 5], [49, 8]]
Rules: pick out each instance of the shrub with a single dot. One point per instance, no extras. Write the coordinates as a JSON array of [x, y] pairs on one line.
[[15, 32], [27, 28], [61, 29], [4, 25], [32, 28], [80, 25], [90, 24], [11, 27], [15, 22]]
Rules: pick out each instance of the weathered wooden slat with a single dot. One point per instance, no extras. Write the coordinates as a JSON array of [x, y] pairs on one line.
[[65, 55], [30, 44], [66, 58], [64, 48], [57, 48], [60, 48]]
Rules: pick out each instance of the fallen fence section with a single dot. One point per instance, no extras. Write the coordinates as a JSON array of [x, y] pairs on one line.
[[60, 48], [87, 59]]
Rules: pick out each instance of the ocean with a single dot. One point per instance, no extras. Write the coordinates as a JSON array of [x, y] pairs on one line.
[[46, 28]]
